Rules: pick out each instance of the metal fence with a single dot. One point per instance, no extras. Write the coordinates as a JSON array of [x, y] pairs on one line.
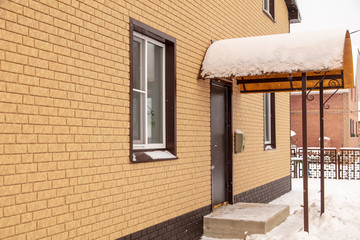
[[349, 164], [337, 165]]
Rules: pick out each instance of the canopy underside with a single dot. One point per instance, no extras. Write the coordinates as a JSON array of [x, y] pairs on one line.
[[291, 82]]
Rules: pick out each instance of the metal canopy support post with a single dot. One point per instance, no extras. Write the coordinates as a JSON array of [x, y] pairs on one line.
[[322, 177], [305, 162]]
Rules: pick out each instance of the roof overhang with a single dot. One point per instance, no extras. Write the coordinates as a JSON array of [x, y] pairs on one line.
[[276, 62], [293, 11]]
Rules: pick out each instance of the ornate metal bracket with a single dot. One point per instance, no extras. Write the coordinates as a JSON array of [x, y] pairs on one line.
[[242, 78], [311, 97], [332, 83], [291, 81]]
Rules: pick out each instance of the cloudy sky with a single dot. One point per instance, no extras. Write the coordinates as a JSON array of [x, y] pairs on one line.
[[330, 14]]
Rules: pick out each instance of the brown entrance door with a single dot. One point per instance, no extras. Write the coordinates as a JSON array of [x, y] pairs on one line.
[[221, 143]]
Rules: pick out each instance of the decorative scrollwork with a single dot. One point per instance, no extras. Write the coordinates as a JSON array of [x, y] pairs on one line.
[[311, 97], [326, 106], [332, 83]]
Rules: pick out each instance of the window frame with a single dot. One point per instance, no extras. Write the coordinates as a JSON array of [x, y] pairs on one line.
[[269, 144], [352, 128], [143, 54], [138, 155], [270, 12]]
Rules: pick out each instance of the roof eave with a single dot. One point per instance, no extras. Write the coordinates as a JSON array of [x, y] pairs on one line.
[[293, 11]]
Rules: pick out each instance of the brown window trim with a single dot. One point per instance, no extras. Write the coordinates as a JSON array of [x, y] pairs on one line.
[[170, 91], [273, 124]]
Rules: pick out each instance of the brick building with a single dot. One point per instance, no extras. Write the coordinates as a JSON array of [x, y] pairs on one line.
[[358, 134], [340, 120], [73, 157]]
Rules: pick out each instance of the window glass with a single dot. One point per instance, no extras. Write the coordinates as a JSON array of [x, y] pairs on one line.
[[267, 118], [356, 129], [138, 118], [266, 5], [155, 93], [137, 63]]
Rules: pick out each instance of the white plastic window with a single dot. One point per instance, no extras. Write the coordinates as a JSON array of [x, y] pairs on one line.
[[266, 5], [148, 93]]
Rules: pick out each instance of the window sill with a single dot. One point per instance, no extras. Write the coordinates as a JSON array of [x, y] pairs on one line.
[[152, 156], [269, 148], [269, 15]]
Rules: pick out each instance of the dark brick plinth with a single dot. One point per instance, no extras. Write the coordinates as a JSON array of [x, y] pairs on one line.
[[190, 225], [185, 227], [265, 193]]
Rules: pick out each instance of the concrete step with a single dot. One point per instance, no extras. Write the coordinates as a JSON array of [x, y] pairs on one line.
[[233, 221]]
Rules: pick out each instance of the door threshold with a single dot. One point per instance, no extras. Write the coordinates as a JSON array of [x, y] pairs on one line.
[[219, 205]]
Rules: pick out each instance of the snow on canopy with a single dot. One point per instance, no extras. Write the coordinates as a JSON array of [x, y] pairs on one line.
[[281, 53]]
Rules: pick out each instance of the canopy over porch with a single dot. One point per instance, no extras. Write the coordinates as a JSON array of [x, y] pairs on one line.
[[286, 62], [276, 62]]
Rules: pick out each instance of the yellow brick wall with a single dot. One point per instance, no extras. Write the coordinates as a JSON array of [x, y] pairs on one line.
[[64, 116], [255, 166]]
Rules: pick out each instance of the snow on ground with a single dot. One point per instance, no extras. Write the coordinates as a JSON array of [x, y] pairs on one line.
[[341, 220]]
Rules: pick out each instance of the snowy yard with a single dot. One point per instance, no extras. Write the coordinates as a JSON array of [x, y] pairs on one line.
[[341, 220]]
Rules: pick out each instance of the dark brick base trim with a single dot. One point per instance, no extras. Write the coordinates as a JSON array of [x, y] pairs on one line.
[[266, 193], [185, 227]]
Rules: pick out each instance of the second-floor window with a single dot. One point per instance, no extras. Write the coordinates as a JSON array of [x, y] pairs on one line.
[[269, 8]]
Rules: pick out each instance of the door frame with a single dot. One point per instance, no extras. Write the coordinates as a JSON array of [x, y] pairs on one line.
[[229, 139]]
